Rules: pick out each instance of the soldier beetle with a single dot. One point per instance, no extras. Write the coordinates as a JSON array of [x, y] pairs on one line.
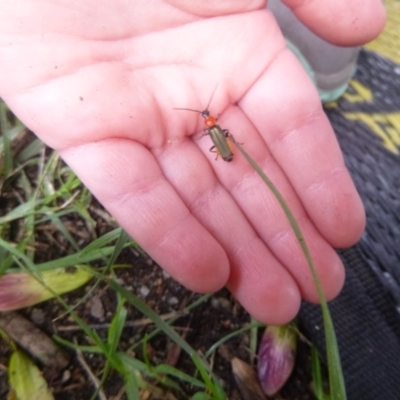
[[218, 135]]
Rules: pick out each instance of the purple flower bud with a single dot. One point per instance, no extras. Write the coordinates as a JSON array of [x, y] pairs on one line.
[[276, 357]]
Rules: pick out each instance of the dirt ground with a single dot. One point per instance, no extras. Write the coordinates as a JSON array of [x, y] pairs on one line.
[[205, 325]]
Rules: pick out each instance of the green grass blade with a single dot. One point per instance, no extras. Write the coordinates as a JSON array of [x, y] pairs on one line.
[[116, 327], [119, 246], [131, 388], [8, 163], [172, 371], [214, 347], [336, 380], [77, 258], [21, 211], [317, 380], [201, 364], [58, 223], [187, 310], [32, 150], [102, 241]]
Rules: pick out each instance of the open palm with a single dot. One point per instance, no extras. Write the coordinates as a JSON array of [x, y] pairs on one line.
[[99, 81]]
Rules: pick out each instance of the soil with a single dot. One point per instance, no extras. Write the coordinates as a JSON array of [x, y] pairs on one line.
[[205, 325], [202, 327]]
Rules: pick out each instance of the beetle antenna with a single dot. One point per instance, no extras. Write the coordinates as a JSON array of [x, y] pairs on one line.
[[208, 105], [188, 109]]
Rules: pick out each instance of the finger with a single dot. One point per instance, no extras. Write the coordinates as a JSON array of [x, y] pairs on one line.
[[266, 216], [125, 178], [342, 22], [203, 8], [257, 279], [274, 228], [292, 122]]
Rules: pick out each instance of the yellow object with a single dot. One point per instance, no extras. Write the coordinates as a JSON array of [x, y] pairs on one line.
[[26, 381], [388, 42]]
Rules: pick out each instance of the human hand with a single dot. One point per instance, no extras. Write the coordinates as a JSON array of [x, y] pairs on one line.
[[98, 81]]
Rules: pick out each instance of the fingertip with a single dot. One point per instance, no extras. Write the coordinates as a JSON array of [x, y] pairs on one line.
[[333, 285], [338, 212], [272, 299], [197, 262], [331, 275], [207, 273], [342, 22], [347, 229], [283, 309]]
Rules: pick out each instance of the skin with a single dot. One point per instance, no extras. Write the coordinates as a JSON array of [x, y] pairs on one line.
[[98, 81]]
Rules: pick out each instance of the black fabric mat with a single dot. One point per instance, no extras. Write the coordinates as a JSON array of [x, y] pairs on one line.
[[366, 313]]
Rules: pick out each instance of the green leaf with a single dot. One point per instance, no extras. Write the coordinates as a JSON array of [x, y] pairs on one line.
[[26, 381], [202, 366], [23, 289]]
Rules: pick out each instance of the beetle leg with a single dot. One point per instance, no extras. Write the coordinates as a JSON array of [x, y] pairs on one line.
[[205, 133], [230, 136], [213, 150]]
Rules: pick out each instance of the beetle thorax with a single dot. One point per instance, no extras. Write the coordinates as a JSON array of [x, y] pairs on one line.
[[210, 121]]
